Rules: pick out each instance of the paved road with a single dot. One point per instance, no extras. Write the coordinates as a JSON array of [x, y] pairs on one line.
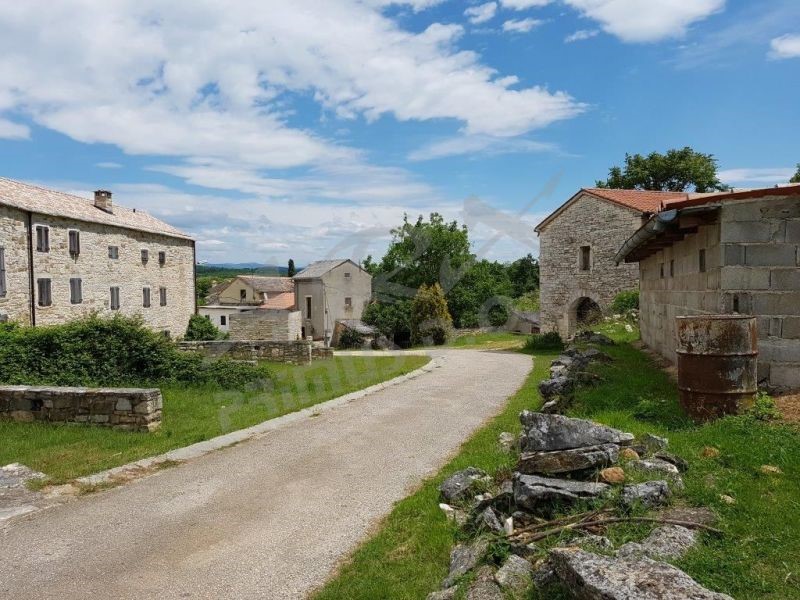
[[269, 518]]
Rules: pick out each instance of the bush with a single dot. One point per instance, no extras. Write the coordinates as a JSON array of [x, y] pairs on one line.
[[350, 338], [392, 319], [120, 351], [544, 341], [625, 302], [430, 319], [201, 329]]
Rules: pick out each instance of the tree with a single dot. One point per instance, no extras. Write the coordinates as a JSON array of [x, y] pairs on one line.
[[430, 319], [481, 296], [201, 329], [392, 319], [676, 171], [291, 270], [202, 288], [524, 275], [796, 177]]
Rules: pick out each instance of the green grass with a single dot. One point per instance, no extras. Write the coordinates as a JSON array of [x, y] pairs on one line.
[[755, 558], [496, 340], [192, 414]]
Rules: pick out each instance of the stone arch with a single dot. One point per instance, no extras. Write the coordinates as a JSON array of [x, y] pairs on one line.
[[584, 308]]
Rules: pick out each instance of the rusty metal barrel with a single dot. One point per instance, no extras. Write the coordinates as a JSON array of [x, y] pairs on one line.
[[717, 364]]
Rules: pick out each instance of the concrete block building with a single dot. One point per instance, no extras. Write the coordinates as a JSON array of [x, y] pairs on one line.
[[577, 246], [63, 257], [724, 253]]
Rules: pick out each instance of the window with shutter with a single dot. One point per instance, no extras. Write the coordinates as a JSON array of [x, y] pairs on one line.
[[145, 256], [114, 298], [162, 292], [42, 238], [162, 258], [113, 252], [146, 297], [2, 272], [44, 292], [74, 239], [75, 290], [586, 258]]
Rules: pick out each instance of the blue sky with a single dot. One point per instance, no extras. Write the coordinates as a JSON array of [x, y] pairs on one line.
[[304, 129]]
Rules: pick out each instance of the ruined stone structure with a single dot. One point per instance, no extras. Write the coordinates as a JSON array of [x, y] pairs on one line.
[[300, 352], [63, 257], [577, 245], [736, 252]]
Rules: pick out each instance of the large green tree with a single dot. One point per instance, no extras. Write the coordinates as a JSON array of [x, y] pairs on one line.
[[524, 275], [430, 318], [480, 296], [796, 177], [678, 170]]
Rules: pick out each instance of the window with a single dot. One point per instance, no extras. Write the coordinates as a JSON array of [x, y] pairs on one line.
[[145, 256], [44, 292], [702, 260], [586, 258], [113, 252], [75, 290], [146, 297], [162, 258], [662, 270], [223, 320], [242, 295], [2, 272], [162, 295], [672, 268], [347, 275], [74, 242], [114, 298], [348, 303], [42, 238], [308, 307]]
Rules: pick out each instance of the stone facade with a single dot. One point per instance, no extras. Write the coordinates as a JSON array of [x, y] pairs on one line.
[[603, 227], [298, 352], [129, 409], [15, 303], [266, 324], [752, 257]]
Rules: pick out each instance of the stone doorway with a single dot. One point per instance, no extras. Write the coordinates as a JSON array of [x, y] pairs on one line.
[[587, 312]]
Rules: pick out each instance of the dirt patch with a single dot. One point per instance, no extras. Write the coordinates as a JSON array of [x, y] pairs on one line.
[[789, 407]]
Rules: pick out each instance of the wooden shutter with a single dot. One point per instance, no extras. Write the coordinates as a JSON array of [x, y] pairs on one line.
[[2, 271], [146, 297], [114, 298], [76, 290], [44, 292], [74, 242], [163, 294]]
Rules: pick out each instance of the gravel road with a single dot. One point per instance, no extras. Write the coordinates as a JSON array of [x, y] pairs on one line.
[[269, 518]]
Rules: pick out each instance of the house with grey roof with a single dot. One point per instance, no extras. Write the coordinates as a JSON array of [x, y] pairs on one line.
[[328, 291], [63, 257], [246, 293]]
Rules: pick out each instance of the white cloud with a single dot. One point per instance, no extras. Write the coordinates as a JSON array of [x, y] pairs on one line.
[[523, 4], [581, 34], [650, 21], [481, 13], [762, 176], [521, 25], [785, 46], [108, 165], [463, 145], [13, 131]]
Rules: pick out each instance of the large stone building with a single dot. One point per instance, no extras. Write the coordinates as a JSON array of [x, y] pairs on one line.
[[328, 291], [736, 252], [577, 246], [64, 257]]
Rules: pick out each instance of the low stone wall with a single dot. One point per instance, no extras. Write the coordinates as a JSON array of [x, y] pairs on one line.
[[298, 352], [266, 324], [130, 409], [321, 353]]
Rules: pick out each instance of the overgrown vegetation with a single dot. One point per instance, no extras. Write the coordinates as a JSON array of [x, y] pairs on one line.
[[201, 329], [430, 320], [351, 338], [117, 351], [544, 342], [626, 301]]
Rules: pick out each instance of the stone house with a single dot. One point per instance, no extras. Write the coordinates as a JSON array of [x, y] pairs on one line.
[[724, 253], [63, 257], [328, 291], [577, 246], [247, 293]]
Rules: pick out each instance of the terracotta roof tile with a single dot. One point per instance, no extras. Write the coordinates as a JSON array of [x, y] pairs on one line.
[[282, 301], [268, 284], [641, 200]]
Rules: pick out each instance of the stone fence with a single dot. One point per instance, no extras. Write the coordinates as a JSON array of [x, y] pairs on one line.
[[299, 352], [129, 409]]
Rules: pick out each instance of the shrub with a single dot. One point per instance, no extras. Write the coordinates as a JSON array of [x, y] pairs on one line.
[[120, 351], [545, 341], [625, 302], [392, 319], [430, 319], [764, 408], [201, 329], [350, 338]]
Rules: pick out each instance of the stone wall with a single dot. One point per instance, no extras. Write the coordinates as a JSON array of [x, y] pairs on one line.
[[14, 241], [589, 221], [295, 352], [129, 409], [265, 324]]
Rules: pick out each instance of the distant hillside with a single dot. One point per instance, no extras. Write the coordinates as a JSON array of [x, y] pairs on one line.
[[225, 271]]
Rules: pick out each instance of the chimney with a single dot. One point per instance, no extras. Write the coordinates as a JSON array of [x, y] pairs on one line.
[[102, 200]]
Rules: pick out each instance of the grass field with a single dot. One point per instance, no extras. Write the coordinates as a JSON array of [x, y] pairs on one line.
[[755, 558], [497, 340], [193, 414]]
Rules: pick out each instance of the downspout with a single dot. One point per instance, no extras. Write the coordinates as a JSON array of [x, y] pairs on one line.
[[30, 270]]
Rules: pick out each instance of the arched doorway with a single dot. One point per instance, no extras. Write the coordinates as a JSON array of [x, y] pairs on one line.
[[587, 312]]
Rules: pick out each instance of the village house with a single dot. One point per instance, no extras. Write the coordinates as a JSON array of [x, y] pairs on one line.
[[246, 293], [724, 253], [577, 246], [63, 257], [328, 291]]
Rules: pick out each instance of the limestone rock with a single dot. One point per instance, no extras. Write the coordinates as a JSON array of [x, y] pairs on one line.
[[507, 441], [515, 576], [531, 491], [461, 485], [448, 594], [655, 465], [590, 539], [464, 558], [458, 516], [559, 386], [545, 433], [679, 462], [489, 520], [653, 443], [544, 575], [727, 499], [650, 494], [666, 542], [485, 590], [700, 515], [592, 577], [612, 475], [567, 461], [628, 454], [590, 337]]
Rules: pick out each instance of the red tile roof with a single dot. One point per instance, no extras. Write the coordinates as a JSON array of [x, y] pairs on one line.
[[284, 301], [641, 200], [701, 199]]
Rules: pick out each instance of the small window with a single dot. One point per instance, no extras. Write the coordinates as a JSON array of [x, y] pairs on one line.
[[75, 290], [661, 267], [702, 260], [672, 268], [2, 272], [348, 303], [145, 256], [42, 239], [162, 294], [44, 292], [146, 297], [347, 275], [586, 258], [74, 239], [162, 258], [114, 298], [242, 295], [223, 320], [308, 307], [113, 252]]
